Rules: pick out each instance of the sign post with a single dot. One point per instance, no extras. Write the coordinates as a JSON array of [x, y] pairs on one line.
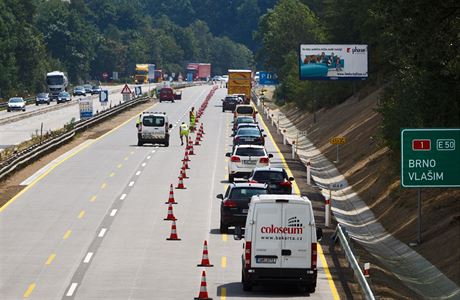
[[126, 92], [429, 158], [86, 108], [339, 140], [104, 98]]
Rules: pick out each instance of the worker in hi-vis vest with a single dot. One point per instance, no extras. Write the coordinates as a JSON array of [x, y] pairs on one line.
[[192, 119], [139, 121], [183, 131]]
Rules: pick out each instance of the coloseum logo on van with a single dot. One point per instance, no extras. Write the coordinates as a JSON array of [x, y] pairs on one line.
[[293, 227]]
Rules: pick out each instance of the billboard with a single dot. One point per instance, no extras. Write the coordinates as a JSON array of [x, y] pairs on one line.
[[268, 78], [333, 62]]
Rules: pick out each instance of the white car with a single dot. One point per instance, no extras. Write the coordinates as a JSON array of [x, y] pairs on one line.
[[225, 78], [244, 159], [153, 128], [16, 103]]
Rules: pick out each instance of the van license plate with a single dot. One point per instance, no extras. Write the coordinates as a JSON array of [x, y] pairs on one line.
[[266, 260], [249, 162]]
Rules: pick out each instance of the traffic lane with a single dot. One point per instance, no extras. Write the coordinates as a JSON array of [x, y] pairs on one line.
[[135, 260], [24, 235]]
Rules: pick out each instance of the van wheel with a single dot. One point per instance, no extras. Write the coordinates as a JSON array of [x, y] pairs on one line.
[[167, 143], [231, 178], [247, 286], [139, 143], [223, 228]]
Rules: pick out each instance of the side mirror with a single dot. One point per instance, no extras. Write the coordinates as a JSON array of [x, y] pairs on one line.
[[291, 179], [270, 155], [228, 154], [238, 233], [220, 196], [170, 126], [319, 234]]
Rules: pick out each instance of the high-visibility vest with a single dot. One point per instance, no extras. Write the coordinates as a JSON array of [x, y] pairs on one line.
[[184, 129], [192, 117]]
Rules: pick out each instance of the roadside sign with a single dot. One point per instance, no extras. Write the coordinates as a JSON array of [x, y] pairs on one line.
[[338, 140], [115, 75], [430, 157], [268, 78], [104, 97], [138, 90], [86, 108], [105, 75], [126, 90]]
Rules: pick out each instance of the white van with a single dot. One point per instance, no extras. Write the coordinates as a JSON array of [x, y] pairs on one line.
[[153, 128], [280, 242]]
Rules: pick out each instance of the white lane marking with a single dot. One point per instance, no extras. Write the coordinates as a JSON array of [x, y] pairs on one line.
[[138, 173], [114, 211], [102, 232], [72, 289], [122, 197], [88, 257], [153, 151], [143, 164], [131, 183], [149, 157]]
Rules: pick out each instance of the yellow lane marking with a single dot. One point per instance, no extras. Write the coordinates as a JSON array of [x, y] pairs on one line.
[[223, 261], [103, 185], [50, 259], [223, 293], [126, 158], [332, 286], [70, 156], [29, 290], [132, 152], [119, 166], [67, 234], [112, 174], [93, 198], [81, 214], [224, 237], [226, 168]]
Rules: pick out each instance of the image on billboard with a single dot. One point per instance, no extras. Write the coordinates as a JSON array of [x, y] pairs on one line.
[[333, 62]]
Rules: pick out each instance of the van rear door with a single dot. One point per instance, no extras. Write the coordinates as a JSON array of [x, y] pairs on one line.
[[266, 242], [296, 243]]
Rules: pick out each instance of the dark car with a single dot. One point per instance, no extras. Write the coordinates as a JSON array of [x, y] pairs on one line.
[[79, 91], [88, 88], [235, 203], [166, 94], [42, 98], [229, 103], [63, 97], [277, 179], [242, 119], [249, 136], [95, 90], [248, 125], [245, 99]]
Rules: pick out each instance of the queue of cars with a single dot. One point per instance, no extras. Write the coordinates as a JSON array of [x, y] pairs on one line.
[[279, 230]]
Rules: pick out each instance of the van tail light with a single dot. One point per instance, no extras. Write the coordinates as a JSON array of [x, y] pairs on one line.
[[286, 183], [235, 159], [247, 255], [314, 256], [264, 160], [230, 203], [252, 181]]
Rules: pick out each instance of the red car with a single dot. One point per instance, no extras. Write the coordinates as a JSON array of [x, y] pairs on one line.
[[166, 94]]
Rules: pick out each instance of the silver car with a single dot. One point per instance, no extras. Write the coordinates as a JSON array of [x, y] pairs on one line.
[[16, 103], [63, 97]]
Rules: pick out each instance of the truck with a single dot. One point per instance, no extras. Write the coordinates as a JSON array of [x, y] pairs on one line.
[[240, 83], [198, 71], [57, 82], [144, 73]]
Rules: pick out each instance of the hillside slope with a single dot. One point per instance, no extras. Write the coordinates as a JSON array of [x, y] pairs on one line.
[[368, 166]]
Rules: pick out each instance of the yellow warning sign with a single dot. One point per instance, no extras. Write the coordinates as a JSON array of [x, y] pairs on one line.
[[338, 140]]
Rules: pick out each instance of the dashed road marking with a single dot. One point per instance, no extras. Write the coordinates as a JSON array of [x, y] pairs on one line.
[[103, 186], [131, 183], [119, 166], [224, 237], [149, 157], [126, 158], [112, 174], [223, 293], [81, 214], [29, 290], [93, 198], [50, 259], [88, 257], [72, 289], [102, 232], [143, 164], [122, 197], [153, 151], [138, 173], [223, 261], [132, 152], [67, 234], [114, 211]]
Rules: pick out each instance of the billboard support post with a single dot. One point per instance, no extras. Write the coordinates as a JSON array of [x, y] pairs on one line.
[[419, 216]]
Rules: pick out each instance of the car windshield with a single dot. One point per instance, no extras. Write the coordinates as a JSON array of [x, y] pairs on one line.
[[250, 152], [79, 88], [245, 120], [245, 193], [248, 132], [153, 121], [246, 110], [264, 176], [16, 100], [63, 94]]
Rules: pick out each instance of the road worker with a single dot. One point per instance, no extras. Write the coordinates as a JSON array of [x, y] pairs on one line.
[[192, 119], [183, 131]]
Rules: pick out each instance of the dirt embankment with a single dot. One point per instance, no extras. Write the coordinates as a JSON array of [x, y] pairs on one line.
[[368, 166]]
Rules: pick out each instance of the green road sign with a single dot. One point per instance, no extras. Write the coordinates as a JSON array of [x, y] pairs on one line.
[[430, 157]]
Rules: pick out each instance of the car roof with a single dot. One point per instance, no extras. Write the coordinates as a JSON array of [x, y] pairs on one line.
[[247, 184], [268, 169]]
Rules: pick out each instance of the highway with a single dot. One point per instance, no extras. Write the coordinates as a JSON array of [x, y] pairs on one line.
[[92, 226]]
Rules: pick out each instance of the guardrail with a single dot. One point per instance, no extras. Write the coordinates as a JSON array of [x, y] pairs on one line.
[[341, 236], [23, 157]]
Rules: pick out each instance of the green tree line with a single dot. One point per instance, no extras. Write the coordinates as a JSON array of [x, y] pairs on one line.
[[413, 54]]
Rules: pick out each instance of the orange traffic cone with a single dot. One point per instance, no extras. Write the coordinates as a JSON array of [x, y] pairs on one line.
[[171, 196], [191, 144], [170, 216], [186, 158], [185, 165], [203, 291], [205, 260], [197, 141], [180, 185], [173, 236], [184, 174]]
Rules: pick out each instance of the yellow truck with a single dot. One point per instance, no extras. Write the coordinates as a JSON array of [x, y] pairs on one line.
[[145, 73], [239, 83]]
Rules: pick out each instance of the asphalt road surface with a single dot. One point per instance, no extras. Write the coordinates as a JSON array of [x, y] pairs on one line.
[[92, 227]]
